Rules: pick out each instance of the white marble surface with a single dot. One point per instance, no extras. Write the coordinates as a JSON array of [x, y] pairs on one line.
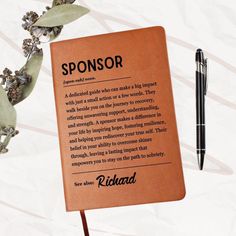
[[31, 194]]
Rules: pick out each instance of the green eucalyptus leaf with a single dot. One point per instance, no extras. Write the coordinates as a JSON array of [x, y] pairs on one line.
[[32, 67], [7, 111], [61, 15]]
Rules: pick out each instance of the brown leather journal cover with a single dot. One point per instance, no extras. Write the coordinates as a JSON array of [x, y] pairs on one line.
[[116, 120]]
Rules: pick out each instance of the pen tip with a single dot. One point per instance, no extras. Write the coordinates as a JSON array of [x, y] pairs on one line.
[[200, 167], [200, 158], [199, 50]]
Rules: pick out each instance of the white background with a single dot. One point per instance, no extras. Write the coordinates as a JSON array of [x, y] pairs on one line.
[[31, 192]]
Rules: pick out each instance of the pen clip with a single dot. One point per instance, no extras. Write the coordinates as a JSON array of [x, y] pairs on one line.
[[205, 72]]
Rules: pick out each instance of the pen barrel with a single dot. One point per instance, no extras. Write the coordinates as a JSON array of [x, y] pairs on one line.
[[200, 112], [200, 98], [201, 142]]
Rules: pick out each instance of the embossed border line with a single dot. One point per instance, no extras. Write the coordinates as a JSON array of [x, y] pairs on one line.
[[121, 168]]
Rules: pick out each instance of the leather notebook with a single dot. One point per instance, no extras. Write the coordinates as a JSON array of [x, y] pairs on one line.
[[116, 120]]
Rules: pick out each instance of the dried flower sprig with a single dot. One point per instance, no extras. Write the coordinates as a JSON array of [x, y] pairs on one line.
[[30, 46], [15, 87], [30, 18], [8, 132], [14, 84], [60, 2]]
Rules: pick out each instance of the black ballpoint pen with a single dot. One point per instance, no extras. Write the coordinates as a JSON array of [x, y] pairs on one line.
[[201, 89]]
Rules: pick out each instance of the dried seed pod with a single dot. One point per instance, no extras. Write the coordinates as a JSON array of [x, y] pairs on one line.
[[30, 46], [60, 2], [14, 84], [29, 19], [8, 133]]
